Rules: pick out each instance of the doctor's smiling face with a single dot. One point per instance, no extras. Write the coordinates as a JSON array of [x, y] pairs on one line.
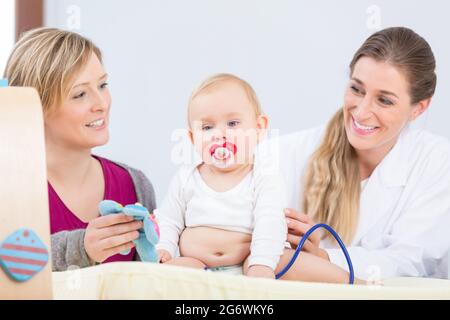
[[81, 119], [377, 105]]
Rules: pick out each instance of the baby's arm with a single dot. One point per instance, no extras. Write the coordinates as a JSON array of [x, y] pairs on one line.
[[270, 229], [171, 219]]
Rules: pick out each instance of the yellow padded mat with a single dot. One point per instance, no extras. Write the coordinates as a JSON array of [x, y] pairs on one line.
[[138, 280]]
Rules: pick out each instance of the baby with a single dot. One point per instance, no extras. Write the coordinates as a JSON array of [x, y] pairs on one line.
[[224, 213]]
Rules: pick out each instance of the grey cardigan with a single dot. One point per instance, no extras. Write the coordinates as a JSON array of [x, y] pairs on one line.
[[68, 246]]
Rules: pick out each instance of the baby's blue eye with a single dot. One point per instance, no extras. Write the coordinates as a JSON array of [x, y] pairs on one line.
[[233, 123], [104, 85], [205, 128]]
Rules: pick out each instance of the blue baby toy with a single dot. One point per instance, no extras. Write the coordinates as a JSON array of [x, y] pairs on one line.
[[148, 236]]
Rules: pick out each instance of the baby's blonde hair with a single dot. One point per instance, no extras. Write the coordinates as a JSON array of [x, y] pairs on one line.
[[215, 80], [48, 59]]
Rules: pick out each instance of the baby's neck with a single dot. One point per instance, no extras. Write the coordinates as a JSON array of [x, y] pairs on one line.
[[236, 170], [222, 180]]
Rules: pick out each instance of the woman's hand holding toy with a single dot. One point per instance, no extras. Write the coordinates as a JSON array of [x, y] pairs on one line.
[[109, 235]]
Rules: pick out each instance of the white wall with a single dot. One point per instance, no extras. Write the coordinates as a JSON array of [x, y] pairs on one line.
[[294, 53], [7, 31]]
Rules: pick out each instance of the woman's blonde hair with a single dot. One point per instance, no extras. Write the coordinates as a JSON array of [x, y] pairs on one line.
[[48, 59], [332, 185], [215, 80]]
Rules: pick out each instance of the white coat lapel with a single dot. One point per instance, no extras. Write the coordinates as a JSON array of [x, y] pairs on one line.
[[383, 189]]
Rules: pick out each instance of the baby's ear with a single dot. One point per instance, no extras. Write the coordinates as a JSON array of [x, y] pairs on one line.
[[191, 136], [262, 122]]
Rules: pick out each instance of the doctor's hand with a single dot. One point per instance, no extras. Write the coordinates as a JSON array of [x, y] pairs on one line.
[[298, 224], [108, 235]]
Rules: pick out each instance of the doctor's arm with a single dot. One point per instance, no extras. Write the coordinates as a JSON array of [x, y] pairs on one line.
[[415, 244]]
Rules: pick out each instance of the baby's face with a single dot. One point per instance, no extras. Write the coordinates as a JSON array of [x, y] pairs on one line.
[[224, 117]]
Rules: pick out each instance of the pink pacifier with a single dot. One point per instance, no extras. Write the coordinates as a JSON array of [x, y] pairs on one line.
[[223, 155]]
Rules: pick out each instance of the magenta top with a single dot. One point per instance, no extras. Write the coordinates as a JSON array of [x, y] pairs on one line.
[[118, 187]]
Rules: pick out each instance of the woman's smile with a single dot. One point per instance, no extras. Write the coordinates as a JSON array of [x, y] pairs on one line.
[[363, 130], [98, 124]]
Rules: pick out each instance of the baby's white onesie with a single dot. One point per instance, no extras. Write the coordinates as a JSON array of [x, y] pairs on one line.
[[255, 206]]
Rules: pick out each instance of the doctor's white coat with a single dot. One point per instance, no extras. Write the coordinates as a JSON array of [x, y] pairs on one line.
[[404, 222]]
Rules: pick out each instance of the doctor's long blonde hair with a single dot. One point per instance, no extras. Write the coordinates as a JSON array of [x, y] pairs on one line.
[[332, 180]]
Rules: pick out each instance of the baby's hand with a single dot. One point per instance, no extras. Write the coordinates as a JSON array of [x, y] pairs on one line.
[[260, 271], [163, 256]]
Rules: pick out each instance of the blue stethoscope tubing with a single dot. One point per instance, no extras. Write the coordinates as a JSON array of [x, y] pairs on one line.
[[302, 242]]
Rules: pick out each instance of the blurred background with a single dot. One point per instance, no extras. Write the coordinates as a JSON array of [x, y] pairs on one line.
[[294, 53]]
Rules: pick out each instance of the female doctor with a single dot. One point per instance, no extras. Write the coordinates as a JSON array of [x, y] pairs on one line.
[[384, 187]]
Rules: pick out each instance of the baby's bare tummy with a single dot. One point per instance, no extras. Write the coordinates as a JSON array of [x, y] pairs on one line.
[[215, 247]]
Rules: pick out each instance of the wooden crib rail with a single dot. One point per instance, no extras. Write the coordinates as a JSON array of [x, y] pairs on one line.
[[23, 184]]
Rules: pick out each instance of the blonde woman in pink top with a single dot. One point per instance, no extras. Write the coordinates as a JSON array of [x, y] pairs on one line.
[[66, 69]]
